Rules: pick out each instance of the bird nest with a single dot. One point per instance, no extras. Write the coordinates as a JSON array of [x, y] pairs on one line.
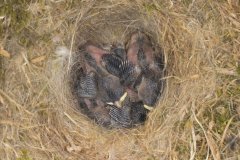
[[197, 116]]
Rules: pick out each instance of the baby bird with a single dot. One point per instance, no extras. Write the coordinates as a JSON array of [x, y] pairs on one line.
[[147, 71], [91, 101], [95, 86], [103, 63], [132, 113], [85, 89]]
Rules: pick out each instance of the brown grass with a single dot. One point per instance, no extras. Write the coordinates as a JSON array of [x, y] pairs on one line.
[[197, 118]]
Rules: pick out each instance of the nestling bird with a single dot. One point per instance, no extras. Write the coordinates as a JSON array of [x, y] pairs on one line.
[[103, 63], [96, 87], [85, 90], [147, 71], [132, 113]]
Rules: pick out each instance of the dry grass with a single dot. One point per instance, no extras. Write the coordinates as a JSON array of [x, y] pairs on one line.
[[197, 118]]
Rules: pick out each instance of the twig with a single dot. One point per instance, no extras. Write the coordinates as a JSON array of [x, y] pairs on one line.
[[194, 145], [194, 115], [72, 40], [225, 131]]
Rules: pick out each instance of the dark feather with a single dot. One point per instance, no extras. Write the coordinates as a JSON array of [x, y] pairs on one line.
[[120, 116], [88, 86], [112, 64]]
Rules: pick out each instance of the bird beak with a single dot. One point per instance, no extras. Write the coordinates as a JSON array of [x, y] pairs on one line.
[[110, 103], [148, 107], [118, 104], [123, 97], [121, 100]]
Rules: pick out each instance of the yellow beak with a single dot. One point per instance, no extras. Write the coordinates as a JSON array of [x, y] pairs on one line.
[[148, 107]]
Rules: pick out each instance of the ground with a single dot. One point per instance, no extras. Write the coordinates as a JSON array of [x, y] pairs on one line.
[[198, 116]]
